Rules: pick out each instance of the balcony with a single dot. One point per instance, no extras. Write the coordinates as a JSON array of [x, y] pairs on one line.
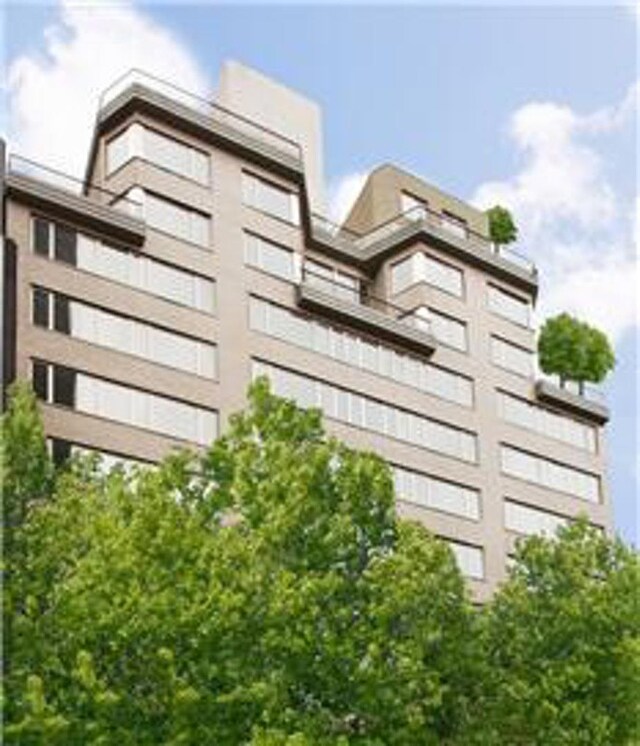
[[466, 243], [588, 402], [75, 199], [363, 311], [198, 112]]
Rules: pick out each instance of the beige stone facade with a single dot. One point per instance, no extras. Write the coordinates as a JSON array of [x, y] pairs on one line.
[[447, 394]]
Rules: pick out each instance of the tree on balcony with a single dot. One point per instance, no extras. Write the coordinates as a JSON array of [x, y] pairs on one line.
[[502, 228], [574, 351]]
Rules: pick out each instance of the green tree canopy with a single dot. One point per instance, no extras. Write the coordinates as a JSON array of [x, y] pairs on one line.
[[263, 594], [574, 350], [502, 228], [563, 642]]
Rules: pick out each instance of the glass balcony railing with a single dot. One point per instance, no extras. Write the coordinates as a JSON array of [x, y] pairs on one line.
[[419, 215], [215, 112], [21, 166]]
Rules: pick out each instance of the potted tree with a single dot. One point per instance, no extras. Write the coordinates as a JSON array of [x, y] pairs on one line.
[[502, 228], [574, 351]]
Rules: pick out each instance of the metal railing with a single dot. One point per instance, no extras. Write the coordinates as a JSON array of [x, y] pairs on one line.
[[423, 215], [202, 106], [21, 166], [362, 296]]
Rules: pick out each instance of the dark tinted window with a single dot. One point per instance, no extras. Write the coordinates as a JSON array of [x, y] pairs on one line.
[[65, 244], [41, 307], [60, 451], [62, 315], [64, 386], [41, 230], [40, 380]]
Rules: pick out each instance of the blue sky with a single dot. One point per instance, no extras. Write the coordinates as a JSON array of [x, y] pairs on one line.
[[531, 105]]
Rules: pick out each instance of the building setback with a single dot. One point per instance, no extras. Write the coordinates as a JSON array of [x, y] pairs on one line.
[[142, 302]]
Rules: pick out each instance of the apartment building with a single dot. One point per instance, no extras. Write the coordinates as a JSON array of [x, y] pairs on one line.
[[194, 257]]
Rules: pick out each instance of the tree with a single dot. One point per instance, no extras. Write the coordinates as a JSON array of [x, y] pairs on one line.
[[574, 350], [502, 228], [562, 644], [262, 594]]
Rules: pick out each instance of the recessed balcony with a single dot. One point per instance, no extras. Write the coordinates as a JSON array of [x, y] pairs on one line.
[[364, 311]]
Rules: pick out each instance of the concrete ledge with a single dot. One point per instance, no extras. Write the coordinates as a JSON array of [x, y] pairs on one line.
[[365, 318], [551, 394], [77, 208], [204, 122]]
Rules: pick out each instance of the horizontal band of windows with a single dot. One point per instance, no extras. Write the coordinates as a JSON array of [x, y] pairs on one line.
[[446, 329], [58, 312], [62, 450], [271, 257], [64, 244], [367, 413], [509, 306], [470, 559], [57, 384], [538, 419], [270, 198], [138, 141], [358, 352], [173, 218], [420, 267], [511, 357], [550, 474], [527, 520], [436, 494]]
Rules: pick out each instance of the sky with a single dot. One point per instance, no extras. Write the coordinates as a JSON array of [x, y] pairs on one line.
[[531, 106]]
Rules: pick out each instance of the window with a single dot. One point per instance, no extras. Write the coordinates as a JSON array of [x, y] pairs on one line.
[[454, 224], [270, 198], [509, 306], [528, 520], [174, 219], [65, 245], [126, 405], [437, 494], [159, 149], [415, 206], [470, 559], [538, 419], [448, 331], [421, 267], [106, 329], [134, 270], [334, 343], [271, 257], [356, 409], [539, 470], [331, 280], [511, 357]]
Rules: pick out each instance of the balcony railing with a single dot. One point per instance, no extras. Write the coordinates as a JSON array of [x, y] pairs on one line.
[[20, 166], [362, 296], [425, 216], [586, 391], [202, 106]]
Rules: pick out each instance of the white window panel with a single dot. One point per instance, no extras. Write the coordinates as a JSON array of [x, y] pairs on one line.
[[528, 520], [332, 281], [176, 220], [470, 559], [511, 357], [352, 407], [437, 494], [448, 331], [404, 274], [551, 424], [509, 306], [454, 224], [412, 205], [270, 198], [270, 257], [359, 352], [536, 469], [442, 275]]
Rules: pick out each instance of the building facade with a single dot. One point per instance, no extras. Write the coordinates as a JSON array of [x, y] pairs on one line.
[[142, 302]]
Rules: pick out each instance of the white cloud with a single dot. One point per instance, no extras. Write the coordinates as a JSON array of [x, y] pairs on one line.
[[53, 97], [343, 193], [581, 232]]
